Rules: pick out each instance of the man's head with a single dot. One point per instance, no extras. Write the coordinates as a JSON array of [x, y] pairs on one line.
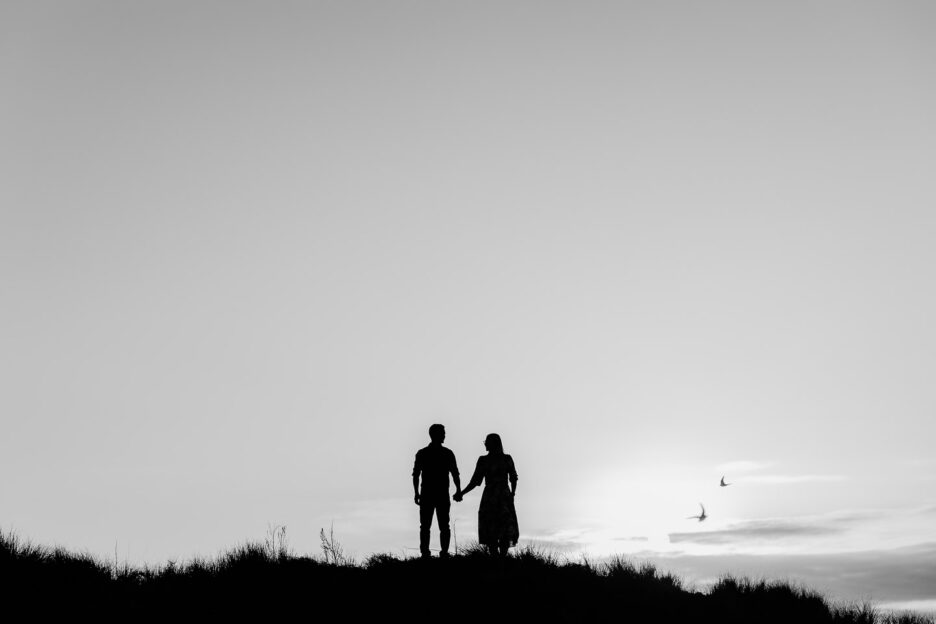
[[437, 433]]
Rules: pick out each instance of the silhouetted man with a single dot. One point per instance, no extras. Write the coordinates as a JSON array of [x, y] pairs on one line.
[[434, 463]]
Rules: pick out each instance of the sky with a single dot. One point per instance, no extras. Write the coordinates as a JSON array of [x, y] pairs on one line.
[[250, 251]]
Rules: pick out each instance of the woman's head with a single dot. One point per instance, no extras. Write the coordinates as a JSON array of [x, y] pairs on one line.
[[493, 444]]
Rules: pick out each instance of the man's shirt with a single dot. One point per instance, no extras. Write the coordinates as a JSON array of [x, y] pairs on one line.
[[435, 462]]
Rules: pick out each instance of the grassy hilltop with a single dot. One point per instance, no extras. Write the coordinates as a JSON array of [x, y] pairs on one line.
[[263, 580]]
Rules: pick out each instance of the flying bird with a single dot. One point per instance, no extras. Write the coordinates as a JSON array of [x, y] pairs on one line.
[[723, 484], [701, 516]]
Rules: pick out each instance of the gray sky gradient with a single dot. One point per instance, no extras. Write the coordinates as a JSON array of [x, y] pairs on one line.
[[251, 251]]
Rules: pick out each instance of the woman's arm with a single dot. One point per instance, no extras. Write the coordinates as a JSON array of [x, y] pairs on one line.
[[471, 485], [475, 478], [512, 475]]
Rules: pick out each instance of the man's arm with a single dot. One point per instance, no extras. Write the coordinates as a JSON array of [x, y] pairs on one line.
[[456, 478], [417, 468]]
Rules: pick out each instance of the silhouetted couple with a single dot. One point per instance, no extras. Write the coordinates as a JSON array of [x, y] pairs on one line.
[[497, 516]]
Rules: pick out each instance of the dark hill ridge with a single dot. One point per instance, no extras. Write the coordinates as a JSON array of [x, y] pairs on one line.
[[257, 581]]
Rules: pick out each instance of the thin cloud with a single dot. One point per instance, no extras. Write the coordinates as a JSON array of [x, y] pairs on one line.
[[557, 546], [735, 467], [920, 462], [855, 516], [756, 531], [631, 539], [564, 540], [885, 576], [791, 479]]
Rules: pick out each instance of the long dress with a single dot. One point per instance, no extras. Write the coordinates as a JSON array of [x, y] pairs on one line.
[[497, 516]]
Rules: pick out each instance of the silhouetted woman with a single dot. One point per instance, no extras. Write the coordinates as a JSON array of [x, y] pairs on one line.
[[497, 516]]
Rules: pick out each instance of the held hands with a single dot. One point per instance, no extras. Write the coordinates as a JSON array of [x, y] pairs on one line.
[[458, 496], [416, 499]]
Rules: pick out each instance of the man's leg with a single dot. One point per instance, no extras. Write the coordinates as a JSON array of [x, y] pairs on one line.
[[445, 532], [426, 508]]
